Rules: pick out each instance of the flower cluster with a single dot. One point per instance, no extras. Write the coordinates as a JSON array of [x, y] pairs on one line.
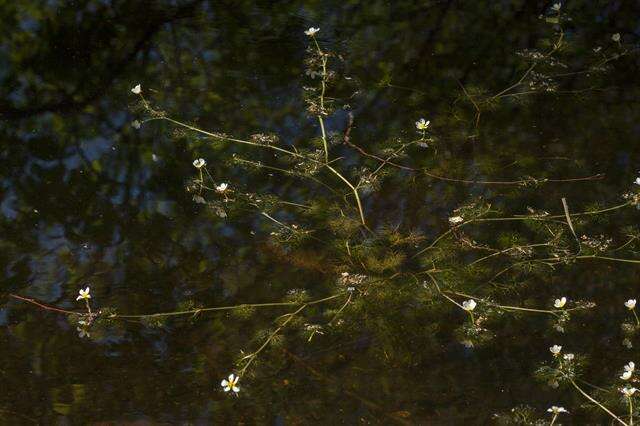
[[600, 243], [264, 139], [351, 280], [633, 197]]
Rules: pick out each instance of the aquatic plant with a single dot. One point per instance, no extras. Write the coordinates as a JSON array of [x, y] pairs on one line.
[[490, 262]]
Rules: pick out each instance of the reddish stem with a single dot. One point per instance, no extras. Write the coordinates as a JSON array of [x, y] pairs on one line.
[[45, 307]]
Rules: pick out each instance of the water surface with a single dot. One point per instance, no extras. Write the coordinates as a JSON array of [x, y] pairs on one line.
[[87, 199]]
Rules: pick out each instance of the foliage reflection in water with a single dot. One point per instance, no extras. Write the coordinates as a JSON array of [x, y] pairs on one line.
[[365, 260]]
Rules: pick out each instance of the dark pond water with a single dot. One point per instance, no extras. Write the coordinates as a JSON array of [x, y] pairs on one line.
[[527, 106]]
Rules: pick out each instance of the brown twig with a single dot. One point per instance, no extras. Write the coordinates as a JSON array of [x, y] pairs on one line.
[[45, 307], [347, 132], [385, 161]]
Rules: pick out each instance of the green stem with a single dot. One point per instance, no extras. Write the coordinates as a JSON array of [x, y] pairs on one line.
[[341, 309], [275, 148], [605, 409], [322, 93], [276, 221], [225, 138], [253, 355], [529, 217], [506, 251], [435, 282], [225, 308], [355, 193], [325, 145], [286, 172]]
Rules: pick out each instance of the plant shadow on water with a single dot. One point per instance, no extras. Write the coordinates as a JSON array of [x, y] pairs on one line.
[[319, 213]]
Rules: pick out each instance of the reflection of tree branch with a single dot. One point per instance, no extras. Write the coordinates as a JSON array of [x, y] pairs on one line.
[[113, 69], [364, 401], [23, 416]]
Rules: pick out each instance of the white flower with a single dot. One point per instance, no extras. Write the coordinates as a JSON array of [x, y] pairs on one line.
[[556, 7], [637, 181], [627, 343], [569, 357], [628, 370], [83, 294], [556, 410], [82, 332], [136, 124], [454, 220], [555, 349], [222, 187], [199, 163], [630, 304], [312, 31], [137, 89], [616, 37], [230, 384], [559, 303], [469, 305], [627, 391], [422, 124]]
